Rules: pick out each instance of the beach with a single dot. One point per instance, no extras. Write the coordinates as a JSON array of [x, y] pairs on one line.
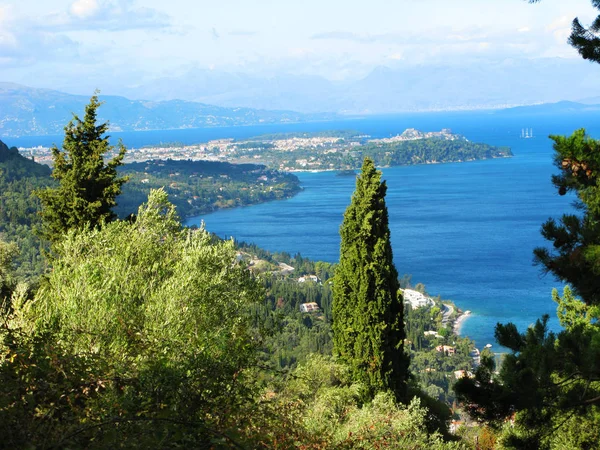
[[459, 322]]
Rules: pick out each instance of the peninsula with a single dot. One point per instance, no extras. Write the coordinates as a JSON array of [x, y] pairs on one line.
[[328, 150]]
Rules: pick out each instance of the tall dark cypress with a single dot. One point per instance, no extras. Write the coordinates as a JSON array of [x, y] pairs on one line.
[[88, 186], [368, 327]]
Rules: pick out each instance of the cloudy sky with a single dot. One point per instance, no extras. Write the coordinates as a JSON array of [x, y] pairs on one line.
[[77, 45]]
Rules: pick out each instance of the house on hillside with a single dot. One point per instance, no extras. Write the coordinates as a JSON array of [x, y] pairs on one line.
[[446, 349], [309, 307], [462, 374], [431, 333]]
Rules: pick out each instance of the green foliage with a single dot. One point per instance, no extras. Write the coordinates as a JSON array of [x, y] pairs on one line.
[[585, 40], [198, 187], [575, 257], [88, 186], [548, 378], [552, 381], [8, 252], [368, 328], [139, 338], [320, 407], [16, 167], [291, 336], [433, 370], [19, 177], [345, 154], [423, 151]]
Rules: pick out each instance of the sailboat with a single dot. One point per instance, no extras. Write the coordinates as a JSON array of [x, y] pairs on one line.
[[526, 133]]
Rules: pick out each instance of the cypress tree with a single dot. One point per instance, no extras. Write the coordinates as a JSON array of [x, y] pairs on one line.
[[368, 326], [88, 186]]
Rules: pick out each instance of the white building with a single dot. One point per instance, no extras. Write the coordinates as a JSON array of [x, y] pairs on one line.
[[306, 278], [416, 299]]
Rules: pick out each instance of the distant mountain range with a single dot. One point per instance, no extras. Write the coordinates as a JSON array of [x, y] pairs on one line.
[[26, 111], [552, 108], [396, 87]]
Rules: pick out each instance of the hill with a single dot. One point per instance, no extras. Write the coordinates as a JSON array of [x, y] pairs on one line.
[[195, 187], [19, 177], [15, 166], [26, 111], [199, 187], [551, 108]]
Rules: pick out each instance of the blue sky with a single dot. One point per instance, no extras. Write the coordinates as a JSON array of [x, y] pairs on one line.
[[77, 45]]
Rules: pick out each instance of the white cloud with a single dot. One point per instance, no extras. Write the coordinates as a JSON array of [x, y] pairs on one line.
[[102, 15], [19, 48], [3, 13], [84, 9], [561, 22]]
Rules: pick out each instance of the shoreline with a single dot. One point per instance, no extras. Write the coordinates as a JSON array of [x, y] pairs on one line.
[[383, 167], [459, 322]]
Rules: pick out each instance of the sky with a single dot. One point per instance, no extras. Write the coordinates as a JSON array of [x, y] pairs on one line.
[[78, 45]]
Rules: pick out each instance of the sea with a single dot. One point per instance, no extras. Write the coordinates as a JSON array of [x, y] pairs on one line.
[[465, 230]]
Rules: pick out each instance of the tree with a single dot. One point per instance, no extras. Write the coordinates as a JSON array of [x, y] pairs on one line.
[[88, 186], [585, 40], [368, 326], [575, 257], [552, 380], [8, 252], [146, 347]]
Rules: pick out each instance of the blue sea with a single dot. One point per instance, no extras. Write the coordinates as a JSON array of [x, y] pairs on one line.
[[465, 230]]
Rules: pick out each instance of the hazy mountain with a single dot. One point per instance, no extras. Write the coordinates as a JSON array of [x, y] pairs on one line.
[[590, 100], [30, 111], [551, 108], [398, 88]]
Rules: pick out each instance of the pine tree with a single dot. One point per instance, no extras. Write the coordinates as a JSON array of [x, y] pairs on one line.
[[551, 380], [88, 186], [368, 327], [575, 254], [585, 40]]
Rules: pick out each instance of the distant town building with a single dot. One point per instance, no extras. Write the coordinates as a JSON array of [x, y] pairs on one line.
[[462, 374], [446, 349], [432, 333], [309, 307], [416, 299], [306, 278]]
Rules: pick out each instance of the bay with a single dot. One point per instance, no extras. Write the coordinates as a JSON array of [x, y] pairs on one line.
[[465, 230]]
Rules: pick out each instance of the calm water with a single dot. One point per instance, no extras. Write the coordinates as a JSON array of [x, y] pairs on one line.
[[466, 231]]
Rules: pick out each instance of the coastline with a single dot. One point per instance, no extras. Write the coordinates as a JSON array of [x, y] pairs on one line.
[[221, 208], [383, 167], [459, 322]]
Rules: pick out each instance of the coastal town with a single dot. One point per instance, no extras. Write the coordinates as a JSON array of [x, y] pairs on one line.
[[331, 150]]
